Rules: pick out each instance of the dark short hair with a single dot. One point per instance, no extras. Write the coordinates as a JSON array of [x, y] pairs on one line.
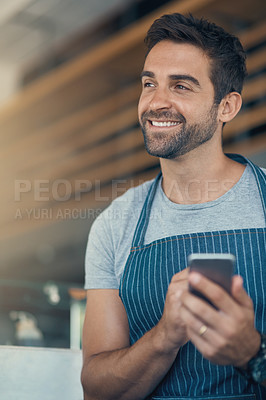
[[226, 54]]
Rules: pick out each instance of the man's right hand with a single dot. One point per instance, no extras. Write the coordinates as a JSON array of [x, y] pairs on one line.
[[171, 325]]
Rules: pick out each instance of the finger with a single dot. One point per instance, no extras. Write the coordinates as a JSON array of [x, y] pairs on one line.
[[181, 275], [195, 309], [214, 292], [210, 344], [192, 321], [209, 339], [178, 284], [200, 333], [239, 293]]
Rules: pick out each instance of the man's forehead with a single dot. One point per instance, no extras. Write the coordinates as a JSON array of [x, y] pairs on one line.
[[179, 46], [172, 59], [175, 50]]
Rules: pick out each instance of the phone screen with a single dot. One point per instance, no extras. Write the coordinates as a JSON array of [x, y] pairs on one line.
[[216, 267]]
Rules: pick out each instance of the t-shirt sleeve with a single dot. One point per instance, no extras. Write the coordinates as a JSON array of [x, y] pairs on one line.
[[99, 259]]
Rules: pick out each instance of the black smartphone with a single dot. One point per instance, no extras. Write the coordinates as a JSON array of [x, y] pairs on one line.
[[217, 267]]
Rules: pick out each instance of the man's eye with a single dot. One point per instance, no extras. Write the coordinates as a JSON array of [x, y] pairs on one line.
[[181, 87], [148, 84]]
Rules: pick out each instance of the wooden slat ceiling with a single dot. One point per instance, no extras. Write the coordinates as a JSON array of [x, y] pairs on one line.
[[79, 123]]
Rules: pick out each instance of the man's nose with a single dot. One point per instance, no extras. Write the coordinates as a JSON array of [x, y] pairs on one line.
[[160, 99]]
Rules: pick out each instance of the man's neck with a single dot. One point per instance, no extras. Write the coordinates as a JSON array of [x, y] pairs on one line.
[[199, 177]]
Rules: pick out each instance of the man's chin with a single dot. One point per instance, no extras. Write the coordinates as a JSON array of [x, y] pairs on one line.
[[159, 153]]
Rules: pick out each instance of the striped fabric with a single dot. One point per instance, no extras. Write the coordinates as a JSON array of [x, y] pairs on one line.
[[143, 288]]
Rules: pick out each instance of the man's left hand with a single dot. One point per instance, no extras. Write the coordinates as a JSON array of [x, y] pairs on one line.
[[226, 335]]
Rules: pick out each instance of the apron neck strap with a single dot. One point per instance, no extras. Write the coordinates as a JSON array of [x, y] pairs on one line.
[[142, 224]]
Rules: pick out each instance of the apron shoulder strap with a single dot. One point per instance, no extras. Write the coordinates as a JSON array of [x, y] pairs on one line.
[[138, 238], [259, 175]]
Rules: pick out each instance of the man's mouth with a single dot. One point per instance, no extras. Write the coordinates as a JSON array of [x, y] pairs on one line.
[[164, 123]]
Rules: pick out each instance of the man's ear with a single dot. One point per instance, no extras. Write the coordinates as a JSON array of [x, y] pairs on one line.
[[229, 106]]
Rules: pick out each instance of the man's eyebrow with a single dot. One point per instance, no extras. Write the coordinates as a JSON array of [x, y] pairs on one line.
[[175, 77], [185, 78], [149, 74]]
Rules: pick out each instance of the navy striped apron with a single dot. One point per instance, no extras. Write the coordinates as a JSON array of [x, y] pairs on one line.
[[144, 285]]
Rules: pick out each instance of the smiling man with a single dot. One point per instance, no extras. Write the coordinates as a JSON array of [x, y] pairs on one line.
[[146, 336]]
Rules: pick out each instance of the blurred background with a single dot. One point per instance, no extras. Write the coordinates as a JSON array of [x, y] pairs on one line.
[[70, 141]]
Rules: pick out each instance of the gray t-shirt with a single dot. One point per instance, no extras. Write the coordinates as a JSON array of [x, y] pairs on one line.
[[111, 234]]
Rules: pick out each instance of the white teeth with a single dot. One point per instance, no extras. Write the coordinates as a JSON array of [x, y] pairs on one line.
[[156, 123]]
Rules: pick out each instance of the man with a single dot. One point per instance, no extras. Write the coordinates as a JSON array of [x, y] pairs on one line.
[[145, 335]]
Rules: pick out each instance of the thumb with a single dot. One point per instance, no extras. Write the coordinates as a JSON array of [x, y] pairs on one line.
[[239, 293]]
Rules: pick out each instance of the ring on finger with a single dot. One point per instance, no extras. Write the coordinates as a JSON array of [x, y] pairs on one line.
[[202, 330]]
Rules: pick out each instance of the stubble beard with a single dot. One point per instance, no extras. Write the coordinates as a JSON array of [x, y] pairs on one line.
[[180, 140]]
